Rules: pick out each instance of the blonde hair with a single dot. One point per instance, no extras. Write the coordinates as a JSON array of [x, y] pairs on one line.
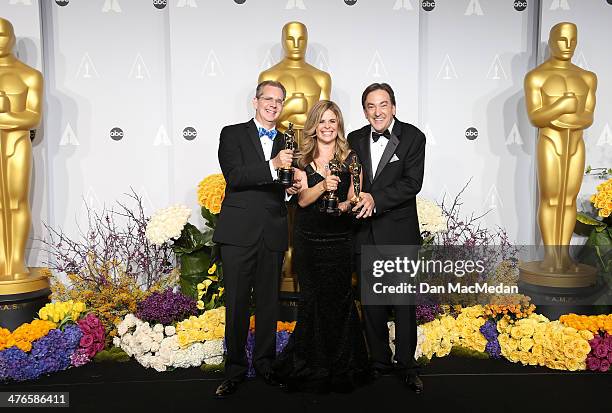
[[308, 144]]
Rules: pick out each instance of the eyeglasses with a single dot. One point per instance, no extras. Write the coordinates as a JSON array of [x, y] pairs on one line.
[[269, 99]]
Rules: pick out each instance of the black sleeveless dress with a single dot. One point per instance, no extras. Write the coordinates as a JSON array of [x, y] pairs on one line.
[[327, 350]]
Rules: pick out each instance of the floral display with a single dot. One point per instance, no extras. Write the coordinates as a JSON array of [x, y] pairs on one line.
[[24, 335], [92, 340], [208, 326], [211, 192], [111, 266], [600, 356], [41, 347], [426, 313], [593, 323], [166, 307], [489, 331], [48, 354], [602, 200], [62, 311], [167, 224], [158, 347], [431, 217], [535, 340]]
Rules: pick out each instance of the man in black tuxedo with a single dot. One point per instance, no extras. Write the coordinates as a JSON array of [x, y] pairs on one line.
[[252, 233], [393, 155]]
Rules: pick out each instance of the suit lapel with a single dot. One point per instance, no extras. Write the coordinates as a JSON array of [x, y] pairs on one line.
[[389, 149], [254, 137], [367, 154]]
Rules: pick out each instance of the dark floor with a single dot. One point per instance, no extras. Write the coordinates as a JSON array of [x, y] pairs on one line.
[[451, 384]]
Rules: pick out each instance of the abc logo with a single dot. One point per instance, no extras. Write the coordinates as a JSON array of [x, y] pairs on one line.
[[350, 2], [471, 133], [160, 4], [428, 5], [62, 3], [189, 133], [239, 1], [116, 134], [520, 5]]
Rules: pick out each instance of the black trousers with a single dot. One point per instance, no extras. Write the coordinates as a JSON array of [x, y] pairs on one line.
[[245, 268], [377, 331]]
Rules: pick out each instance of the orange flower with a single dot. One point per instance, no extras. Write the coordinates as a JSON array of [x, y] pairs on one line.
[[211, 192], [25, 334], [593, 323]]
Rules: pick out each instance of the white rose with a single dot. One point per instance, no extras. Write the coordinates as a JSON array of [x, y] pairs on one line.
[[170, 330], [158, 328]]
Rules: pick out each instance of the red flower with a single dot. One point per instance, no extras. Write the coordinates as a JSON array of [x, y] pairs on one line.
[[87, 340]]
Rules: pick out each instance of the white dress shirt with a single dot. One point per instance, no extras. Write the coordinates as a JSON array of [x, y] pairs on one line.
[[377, 148], [266, 145]]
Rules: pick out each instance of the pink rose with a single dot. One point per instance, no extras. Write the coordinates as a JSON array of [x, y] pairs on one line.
[[87, 340], [610, 357], [99, 335], [99, 346], [604, 366]]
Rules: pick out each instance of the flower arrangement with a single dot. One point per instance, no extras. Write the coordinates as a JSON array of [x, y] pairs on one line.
[[201, 275], [600, 356], [167, 224], [158, 346], [48, 354], [489, 331], [25, 334], [602, 200], [43, 347], [431, 218], [596, 224], [166, 307], [208, 326], [62, 311], [109, 267], [211, 192], [535, 340], [594, 323]]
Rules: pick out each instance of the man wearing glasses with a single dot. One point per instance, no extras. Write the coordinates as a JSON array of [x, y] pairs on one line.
[[252, 233]]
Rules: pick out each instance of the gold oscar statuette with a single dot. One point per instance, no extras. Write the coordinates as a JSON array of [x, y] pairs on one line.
[[560, 99], [285, 173], [329, 202], [355, 170], [305, 86], [20, 110]]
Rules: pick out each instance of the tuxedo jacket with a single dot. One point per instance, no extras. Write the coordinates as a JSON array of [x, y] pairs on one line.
[[254, 205], [393, 185]]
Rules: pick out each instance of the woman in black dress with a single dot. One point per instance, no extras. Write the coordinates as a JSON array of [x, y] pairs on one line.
[[326, 351]]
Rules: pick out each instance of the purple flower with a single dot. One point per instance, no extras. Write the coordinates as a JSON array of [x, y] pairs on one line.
[[427, 312], [166, 308], [604, 366], [79, 358], [593, 363], [282, 338], [600, 350], [49, 354], [489, 331], [249, 347]]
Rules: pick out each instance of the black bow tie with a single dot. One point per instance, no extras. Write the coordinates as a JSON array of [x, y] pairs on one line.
[[376, 135]]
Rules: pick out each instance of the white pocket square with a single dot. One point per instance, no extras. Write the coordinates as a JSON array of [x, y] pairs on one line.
[[394, 158]]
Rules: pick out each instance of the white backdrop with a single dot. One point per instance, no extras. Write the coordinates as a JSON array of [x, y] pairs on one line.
[[124, 79]]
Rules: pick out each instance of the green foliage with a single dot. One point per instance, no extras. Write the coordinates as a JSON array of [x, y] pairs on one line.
[[114, 354]]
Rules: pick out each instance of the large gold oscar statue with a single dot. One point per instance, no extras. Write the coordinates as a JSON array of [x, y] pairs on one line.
[[305, 85], [20, 111], [560, 98]]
